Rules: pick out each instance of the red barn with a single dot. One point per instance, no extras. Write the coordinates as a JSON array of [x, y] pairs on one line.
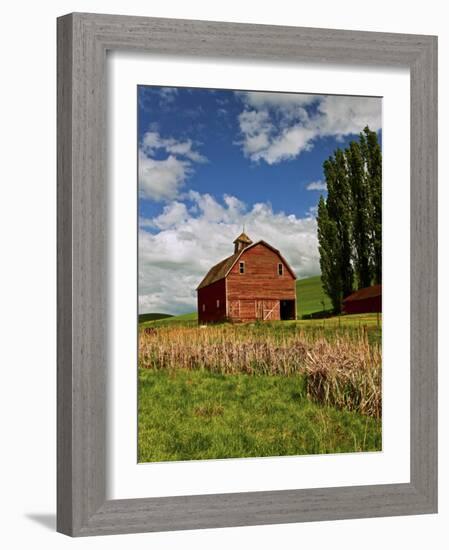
[[255, 283], [365, 300]]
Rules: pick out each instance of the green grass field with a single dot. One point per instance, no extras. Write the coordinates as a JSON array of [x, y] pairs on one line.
[[188, 415], [184, 320], [153, 317], [202, 413], [310, 297]]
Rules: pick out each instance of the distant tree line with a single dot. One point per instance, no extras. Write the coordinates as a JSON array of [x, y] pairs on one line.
[[350, 219]]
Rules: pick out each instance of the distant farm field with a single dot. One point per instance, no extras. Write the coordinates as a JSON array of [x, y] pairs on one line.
[[310, 297], [153, 317]]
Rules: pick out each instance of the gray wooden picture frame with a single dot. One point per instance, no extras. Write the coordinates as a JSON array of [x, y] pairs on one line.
[[83, 40]]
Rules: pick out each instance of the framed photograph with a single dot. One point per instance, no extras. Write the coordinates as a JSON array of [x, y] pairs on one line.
[[260, 270], [244, 214]]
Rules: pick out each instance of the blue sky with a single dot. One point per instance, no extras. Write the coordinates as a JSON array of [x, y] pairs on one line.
[[213, 160]]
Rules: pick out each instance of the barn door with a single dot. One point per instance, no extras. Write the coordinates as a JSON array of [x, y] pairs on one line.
[[270, 310], [259, 309], [234, 309]]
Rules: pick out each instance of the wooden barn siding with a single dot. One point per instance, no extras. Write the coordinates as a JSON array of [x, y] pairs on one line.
[[250, 310], [209, 296], [256, 293], [260, 280], [368, 305]]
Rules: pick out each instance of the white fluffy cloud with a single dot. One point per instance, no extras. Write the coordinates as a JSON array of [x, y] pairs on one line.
[[194, 236], [161, 179], [152, 141], [173, 215], [341, 115], [261, 100], [316, 186], [278, 127], [168, 95]]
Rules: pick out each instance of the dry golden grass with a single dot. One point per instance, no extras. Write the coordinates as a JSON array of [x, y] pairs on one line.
[[344, 372]]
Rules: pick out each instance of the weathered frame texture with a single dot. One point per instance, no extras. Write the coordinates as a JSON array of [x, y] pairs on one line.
[[83, 40]]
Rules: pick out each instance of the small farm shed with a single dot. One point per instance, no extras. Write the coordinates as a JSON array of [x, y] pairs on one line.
[[365, 300], [254, 283]]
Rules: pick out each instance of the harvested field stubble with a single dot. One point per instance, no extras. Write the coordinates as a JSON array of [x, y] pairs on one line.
[[343, 371]]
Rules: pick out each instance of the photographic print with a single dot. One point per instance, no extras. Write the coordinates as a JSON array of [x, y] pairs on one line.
[[260, 271]]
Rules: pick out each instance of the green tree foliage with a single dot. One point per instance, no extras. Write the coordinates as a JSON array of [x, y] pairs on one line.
[[361, 214], [372, 155], [350, 219], [339, 210], [329, 256]]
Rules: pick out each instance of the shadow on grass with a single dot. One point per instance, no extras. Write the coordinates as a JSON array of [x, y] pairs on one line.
[[319, 314]]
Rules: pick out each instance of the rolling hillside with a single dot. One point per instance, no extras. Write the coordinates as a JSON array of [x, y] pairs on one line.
[[153, 317], [186, 318], [310, 297]]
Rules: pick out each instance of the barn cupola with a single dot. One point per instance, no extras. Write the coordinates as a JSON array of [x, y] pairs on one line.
[[241, 242]]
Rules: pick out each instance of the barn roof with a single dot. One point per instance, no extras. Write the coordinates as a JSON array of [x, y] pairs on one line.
[[219, 271], [364, 293], [243, 237]]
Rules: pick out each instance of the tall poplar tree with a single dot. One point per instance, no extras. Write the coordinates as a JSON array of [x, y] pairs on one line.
[[350, 219], [373, 165], [361, 214], [339, 209], [329, 256]]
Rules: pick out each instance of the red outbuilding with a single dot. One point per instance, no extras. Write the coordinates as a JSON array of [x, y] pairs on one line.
[[255, 283], [365, 300]]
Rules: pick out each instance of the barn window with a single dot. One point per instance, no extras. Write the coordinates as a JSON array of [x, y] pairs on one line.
[[242, 267], [280, 269], [218, 303], [204, 308]]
